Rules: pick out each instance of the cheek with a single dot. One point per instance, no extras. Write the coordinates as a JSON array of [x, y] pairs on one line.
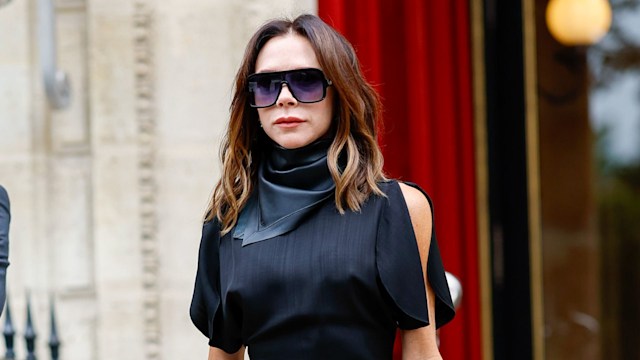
[[329, 115], [330, 107], [262, 115], [322, 114]]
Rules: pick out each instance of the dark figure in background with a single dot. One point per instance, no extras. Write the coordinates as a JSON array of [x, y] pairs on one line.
[[5, 219], [308, 251]]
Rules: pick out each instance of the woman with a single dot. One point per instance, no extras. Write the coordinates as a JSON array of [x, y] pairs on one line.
[[308, 251]]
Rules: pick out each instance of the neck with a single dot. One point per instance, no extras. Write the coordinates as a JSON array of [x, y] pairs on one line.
[[300, 168]]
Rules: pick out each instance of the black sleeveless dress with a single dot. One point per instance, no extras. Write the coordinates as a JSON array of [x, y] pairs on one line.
[[333, 287]]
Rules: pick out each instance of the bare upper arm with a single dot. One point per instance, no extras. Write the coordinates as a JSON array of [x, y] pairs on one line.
[[421, 342], [421, 219], [219, 354]]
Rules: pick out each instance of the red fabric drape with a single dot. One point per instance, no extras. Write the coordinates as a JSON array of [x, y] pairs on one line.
[[417, 54]]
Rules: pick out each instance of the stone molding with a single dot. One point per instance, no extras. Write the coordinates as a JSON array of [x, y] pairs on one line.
[[62, 5], [145, 120]]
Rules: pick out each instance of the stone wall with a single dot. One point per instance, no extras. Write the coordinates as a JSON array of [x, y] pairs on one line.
[[108, 194]]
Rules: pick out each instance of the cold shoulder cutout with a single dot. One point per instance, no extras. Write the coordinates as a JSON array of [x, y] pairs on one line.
[[399, 264]]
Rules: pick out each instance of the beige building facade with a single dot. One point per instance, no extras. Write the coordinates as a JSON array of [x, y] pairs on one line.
[[108, 192]]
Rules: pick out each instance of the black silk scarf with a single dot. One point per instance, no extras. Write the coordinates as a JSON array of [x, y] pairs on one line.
[[291, 184]]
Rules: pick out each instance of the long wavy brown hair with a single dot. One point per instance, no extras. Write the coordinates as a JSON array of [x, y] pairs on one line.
[[356, 115]]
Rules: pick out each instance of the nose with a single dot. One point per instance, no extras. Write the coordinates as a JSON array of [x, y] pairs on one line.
[[286, 97]]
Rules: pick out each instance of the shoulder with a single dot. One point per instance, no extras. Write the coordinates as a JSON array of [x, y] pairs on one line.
[[418, 206], [409, 198], [415, 198], [211, 229], [4, 198]]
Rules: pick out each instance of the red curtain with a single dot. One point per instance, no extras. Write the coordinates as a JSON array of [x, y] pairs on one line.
[[417, 54]]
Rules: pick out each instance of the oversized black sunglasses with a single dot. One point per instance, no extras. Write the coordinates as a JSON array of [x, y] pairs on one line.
[[306, 86]]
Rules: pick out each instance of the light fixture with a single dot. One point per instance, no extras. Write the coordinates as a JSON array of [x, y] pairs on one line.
[[578, 22]]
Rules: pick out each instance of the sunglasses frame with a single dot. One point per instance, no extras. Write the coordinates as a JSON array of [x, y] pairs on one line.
[[281, 76]]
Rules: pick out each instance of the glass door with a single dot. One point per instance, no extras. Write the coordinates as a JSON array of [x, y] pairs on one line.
[[589, 151]]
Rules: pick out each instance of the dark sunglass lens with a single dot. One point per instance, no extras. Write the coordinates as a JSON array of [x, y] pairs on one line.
[[306, 85], [266, 88]]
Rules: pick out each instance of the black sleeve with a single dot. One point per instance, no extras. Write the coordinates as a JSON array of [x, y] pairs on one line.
[[400, 270], [206, 292], [206, 304]]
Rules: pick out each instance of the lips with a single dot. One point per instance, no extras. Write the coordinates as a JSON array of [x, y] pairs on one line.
[[288, 122]]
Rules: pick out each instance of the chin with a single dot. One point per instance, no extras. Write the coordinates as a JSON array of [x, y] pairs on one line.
[[293, 143]]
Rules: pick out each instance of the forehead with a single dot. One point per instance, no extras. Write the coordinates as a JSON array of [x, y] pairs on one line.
[[286, 52]]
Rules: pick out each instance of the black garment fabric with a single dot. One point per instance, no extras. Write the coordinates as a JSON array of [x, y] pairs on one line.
[[291, 184], [5, 220], [335, 287]]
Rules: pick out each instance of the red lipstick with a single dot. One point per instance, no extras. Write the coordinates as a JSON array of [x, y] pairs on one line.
[[288, 121]]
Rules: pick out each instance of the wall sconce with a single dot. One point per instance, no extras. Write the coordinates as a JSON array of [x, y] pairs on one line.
[[56, 82], [578, 22]]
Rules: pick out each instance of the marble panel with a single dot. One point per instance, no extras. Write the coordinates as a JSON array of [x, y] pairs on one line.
[[71, 224]]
